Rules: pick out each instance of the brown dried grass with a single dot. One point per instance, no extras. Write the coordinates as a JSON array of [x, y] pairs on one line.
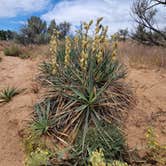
[[142, 56]]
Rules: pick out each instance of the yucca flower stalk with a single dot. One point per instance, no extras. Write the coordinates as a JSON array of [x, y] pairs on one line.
[[85, 42], [114, 47], [67, 50], [76, 40], [53, 51]]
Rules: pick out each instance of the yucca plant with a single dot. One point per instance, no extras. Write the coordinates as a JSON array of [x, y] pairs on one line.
[[86, 78], [7, 94]]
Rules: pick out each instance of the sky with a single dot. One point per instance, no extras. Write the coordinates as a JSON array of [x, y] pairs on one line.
[[116, 13]]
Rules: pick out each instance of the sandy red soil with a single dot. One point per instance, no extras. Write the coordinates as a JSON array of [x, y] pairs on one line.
[[15, 72], [149, 87]]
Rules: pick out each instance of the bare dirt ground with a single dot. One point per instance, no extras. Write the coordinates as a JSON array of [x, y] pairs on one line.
[[150, 110], [150, 92], [13, 115]]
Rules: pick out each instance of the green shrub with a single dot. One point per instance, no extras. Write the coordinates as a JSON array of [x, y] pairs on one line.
[[85, 87], [156, 153], [7, 94], [13, 50], [97, 159], [38, 158]]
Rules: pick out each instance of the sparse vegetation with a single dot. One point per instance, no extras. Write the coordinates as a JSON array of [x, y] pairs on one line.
[[142, 56], [7, 94], [12, 50]]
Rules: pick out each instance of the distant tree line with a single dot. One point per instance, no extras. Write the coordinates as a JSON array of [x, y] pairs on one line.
[[7, 35], [147, 31], [36, 31]]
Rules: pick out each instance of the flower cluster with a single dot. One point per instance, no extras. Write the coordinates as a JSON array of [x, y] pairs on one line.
[[84, 45], [53, 51], [99, 40], [67, 50], [151, 138], [114, 46], [97, 158], [84, 52], [38, 157]]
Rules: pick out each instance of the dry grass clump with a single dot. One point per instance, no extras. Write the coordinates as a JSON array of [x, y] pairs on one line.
[[34, 51], [4, 44], [24, 52], [139, 55], [13, 50]]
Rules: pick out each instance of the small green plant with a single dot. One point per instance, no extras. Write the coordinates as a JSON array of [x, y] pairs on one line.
[[43, 120], [7, 94], [118, 163], [13, 50], [156, 153], [97, 159], [38, 158]]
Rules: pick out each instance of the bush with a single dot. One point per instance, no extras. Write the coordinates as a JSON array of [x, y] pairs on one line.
[[97, 159], [38, 158], [13, 50], [88, 85], [86, 91]]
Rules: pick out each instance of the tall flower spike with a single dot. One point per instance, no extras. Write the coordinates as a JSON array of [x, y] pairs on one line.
[[84, 55], [76, 40], [99, 20], [67, 50], [114, 49], [104, 34], [53, 51]]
